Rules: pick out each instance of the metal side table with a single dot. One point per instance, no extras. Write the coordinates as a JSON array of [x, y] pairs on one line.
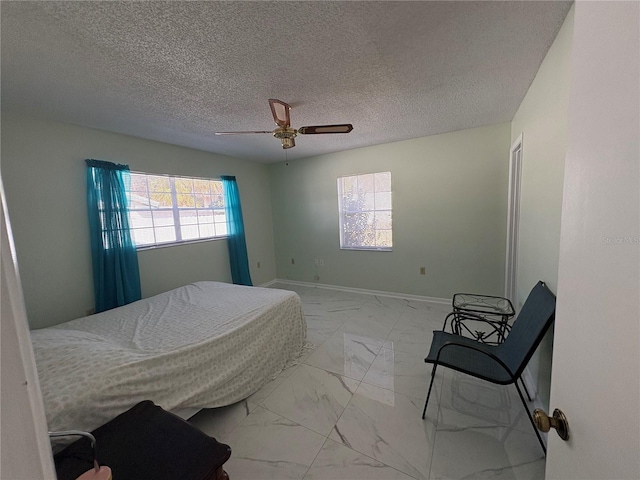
[[489, 314]]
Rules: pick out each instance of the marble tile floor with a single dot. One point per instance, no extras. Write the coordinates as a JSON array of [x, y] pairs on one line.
[[351, 409]]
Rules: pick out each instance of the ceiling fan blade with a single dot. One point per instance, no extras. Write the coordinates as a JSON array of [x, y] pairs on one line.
[[280, 111], [242, 133], [317, 129]]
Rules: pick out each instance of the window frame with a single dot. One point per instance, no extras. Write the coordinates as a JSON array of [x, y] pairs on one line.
[[342, 211], [175, 209]]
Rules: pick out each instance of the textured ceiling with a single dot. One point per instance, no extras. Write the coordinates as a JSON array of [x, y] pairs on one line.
[[178, 71]]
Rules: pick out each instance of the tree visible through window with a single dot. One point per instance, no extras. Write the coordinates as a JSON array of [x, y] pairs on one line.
[[165, 209], [364, 202]]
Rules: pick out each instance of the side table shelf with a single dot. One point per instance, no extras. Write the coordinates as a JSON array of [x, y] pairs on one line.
[[488, 314]]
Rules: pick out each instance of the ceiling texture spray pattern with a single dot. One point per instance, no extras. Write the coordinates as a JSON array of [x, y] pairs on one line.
[[178, 71]]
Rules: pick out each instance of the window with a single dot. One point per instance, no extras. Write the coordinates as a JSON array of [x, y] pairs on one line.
[[165, 209], [364, 202]]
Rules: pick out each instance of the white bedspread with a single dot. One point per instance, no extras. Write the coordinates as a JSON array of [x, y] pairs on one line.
[[207, 344]]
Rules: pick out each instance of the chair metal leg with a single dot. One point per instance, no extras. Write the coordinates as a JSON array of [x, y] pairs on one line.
[[433, 376], [526, 407]]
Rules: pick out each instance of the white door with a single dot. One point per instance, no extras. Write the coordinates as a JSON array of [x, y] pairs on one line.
[[596, 357]]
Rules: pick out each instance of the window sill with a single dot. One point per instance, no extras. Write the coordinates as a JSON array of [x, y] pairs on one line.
[[175, 244], [369, 249]]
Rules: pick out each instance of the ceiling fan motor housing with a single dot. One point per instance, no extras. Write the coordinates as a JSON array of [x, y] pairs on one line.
[[285, 132], [286, 136]]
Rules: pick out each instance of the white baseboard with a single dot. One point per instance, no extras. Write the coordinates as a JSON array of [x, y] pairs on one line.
[[380, 293]]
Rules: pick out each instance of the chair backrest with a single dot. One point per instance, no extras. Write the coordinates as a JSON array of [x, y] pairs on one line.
[[533, 321]]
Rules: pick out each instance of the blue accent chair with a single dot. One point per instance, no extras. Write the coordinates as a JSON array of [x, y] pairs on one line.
[[501, 364]]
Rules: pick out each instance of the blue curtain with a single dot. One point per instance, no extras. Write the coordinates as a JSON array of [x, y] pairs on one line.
[[235, 229], [116, 276]]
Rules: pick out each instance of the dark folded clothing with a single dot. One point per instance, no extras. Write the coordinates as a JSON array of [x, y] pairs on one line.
[[147, 442]]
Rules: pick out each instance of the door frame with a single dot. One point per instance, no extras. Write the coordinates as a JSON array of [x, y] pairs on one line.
[[513, 219]]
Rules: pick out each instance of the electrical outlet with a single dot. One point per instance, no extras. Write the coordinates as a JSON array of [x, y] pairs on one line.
[[423, 271], [258, 264], [317, 261]]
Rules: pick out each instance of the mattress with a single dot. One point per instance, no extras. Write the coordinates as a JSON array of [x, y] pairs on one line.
[[207, 344]]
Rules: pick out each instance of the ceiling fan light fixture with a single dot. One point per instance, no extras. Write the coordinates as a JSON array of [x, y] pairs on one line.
[[288, 142]]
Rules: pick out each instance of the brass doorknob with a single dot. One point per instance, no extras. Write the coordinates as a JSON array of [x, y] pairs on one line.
[[544, 422]]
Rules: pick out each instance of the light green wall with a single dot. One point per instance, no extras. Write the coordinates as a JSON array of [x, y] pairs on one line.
[[449, 215], [542, 119], [43, 171]]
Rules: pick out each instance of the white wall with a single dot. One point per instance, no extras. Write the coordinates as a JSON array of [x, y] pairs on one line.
[[44, 173], [449, 210], [542, 119], [25, 451]]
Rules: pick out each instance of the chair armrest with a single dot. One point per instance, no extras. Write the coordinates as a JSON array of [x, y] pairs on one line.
[[473, 347]]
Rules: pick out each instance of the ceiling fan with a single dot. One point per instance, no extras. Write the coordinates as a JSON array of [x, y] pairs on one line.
[[285, 133]]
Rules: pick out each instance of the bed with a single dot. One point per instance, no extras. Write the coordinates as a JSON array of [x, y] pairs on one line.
[[207, 344]]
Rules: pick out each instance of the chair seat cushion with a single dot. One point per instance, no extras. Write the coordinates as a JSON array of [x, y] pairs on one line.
[[468, 356]]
